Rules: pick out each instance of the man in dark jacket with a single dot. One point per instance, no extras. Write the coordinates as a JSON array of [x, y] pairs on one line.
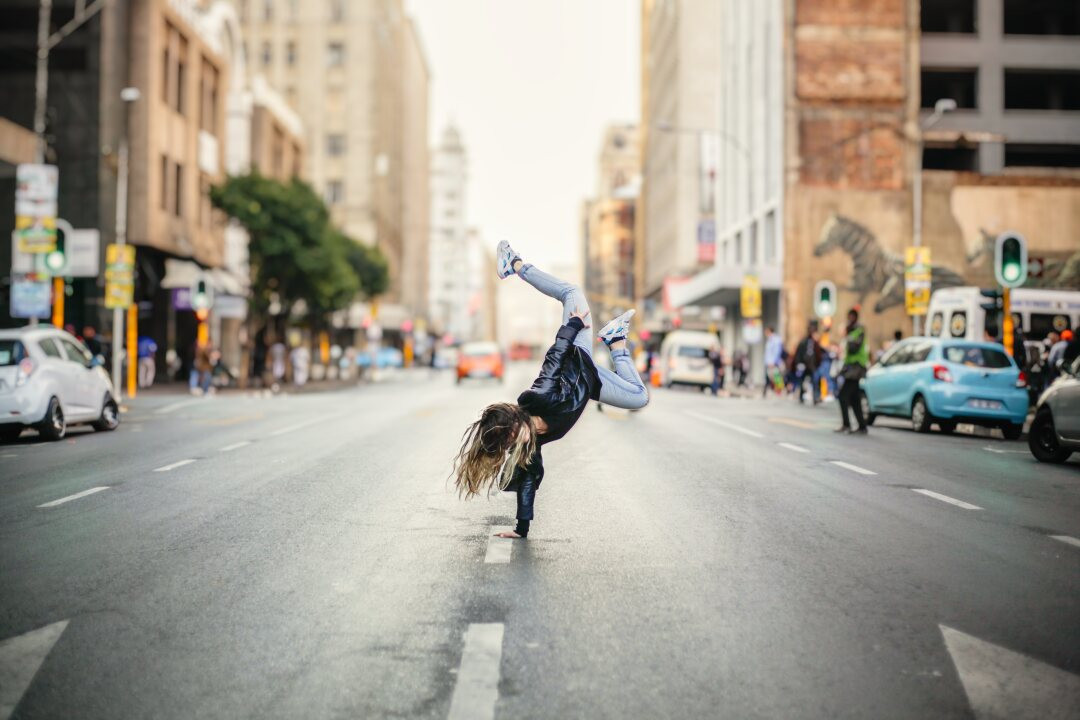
[[807, 358]]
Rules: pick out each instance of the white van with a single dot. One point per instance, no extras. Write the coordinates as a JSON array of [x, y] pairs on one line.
[[684, 357], [957, 312]]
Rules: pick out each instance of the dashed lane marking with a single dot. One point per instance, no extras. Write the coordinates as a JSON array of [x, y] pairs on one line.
[[173, 466], [947, 499], [852, 468], [306, 423], [498, 549], [729, 426], [1067, 540], [76, 496], [235, 446], [793, 447], [177, 405], [1003, 452], [794, 423], [477, 688]]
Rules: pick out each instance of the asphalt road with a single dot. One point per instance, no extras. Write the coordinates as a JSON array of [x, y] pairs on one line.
[[304, 556]]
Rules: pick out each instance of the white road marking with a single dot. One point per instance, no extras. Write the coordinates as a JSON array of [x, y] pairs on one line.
[[727, 425], [235, 446], [1003, 452], [8, 455], [20, 658], [791, 446], [306, 423], [76, 496], [498, 549], [946, 498], [173, 466], [1002, 683], [852, 468], [477, 688], [177, 406], [1067, 540]]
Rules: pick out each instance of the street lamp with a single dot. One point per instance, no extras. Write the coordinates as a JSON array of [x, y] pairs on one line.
[[941, 107], [128, 95]]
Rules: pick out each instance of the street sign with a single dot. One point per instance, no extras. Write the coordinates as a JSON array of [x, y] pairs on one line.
[[119, 276], [35, 207], [752, 331], [750, 297], [83, 249], [31, 296], [917, 275]]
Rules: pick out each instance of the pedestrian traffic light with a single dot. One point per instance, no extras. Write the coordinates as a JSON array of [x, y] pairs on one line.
[[56, 261], [202, 295], [825, 299], [1010, 260]]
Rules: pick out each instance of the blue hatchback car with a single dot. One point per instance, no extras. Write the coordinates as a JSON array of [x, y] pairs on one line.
[[947, 381]]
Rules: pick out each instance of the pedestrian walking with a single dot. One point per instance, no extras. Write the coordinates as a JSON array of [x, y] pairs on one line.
[[716, 358], [202, 369], [807, 359], [856, 359], [147, 361], [741, 365], [300, 357], [503, 448], [774, 362]]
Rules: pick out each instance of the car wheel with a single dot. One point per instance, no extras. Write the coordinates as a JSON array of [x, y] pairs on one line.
[[868, 416], [947, 426], [1043, 442], [110, 416], [54, 426], [11, 433], [920, 416]]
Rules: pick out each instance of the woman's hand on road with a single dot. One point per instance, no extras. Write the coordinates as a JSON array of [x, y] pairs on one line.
[[581, 316]]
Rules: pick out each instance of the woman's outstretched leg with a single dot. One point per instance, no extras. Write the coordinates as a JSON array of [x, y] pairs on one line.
[[624, 387], [570, 295]]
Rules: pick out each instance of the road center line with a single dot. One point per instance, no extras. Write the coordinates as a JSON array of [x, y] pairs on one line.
[[947, 499], [1067, 540], [76, 496], [792, 446], [852, 468], [177, 406], [498, 549], [235, 446], [306, 423], [727, 425], [477, 688], [173, 466]]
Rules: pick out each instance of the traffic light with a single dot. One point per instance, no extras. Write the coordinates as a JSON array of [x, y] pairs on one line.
[[56, 261], [1010, 259], [202, 295], [995, 302], [825, 299]]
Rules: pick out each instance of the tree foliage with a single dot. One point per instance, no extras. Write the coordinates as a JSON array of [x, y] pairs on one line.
[[294, 251]]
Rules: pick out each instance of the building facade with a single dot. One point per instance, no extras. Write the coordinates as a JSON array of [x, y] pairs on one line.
[[449, 256]]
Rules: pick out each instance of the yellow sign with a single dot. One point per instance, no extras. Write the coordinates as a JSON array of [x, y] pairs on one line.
[[35, 234], [750, 297], [119, 276], [917, 275]]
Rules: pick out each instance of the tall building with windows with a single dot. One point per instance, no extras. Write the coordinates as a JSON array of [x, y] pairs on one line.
[[354, 71], [450, 257]]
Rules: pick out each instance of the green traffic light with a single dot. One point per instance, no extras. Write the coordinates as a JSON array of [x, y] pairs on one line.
[[54, 260], [1011, 272]]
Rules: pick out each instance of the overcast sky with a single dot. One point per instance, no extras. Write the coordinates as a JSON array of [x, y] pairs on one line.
[[531, 84]]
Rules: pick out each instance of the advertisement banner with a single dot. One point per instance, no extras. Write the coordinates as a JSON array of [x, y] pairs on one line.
[[35, 207], [119, 276], [31, 296], [750, 297], [917, 275], [706, 241]]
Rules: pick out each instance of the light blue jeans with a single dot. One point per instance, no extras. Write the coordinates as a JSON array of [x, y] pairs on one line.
[[622, 388]]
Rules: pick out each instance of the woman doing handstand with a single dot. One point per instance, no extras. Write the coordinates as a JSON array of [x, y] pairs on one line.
[[502, 448]]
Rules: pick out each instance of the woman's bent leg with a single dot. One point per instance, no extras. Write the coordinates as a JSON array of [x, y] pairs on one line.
[[622, 388], [571, 296]]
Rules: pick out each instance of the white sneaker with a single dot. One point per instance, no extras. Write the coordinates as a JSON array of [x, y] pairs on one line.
[[617, 328], [505, 257]]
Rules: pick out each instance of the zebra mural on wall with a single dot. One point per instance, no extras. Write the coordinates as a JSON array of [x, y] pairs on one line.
[[874, 269]]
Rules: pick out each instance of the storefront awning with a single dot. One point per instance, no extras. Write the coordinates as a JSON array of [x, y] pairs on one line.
[[720, 284]]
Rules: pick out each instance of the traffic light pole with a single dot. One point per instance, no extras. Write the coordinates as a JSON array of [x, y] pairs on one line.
[[121, 239], [1007, 321]]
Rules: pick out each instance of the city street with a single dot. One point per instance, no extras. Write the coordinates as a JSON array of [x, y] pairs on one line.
[[305, 556]]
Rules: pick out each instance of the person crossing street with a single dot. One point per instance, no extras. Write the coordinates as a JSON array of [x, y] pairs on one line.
[[856, 360]]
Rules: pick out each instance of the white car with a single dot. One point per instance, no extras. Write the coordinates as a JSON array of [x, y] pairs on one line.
[[49, 380], [685, 358]]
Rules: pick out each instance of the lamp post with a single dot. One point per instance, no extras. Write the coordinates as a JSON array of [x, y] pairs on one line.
[[128, 95], [941, 107]]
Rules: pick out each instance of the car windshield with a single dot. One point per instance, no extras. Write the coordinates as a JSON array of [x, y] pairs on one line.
[[480, 350], [692, 352], [11, 352], [973, 356]]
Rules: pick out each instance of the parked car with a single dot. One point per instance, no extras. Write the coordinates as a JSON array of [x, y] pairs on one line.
[[945, 381], [684, 358], [385, 357], [480, 360], [48, 381], [1055, 432]]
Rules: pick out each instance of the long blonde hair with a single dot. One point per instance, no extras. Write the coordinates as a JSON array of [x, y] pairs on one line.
[[492, 448]]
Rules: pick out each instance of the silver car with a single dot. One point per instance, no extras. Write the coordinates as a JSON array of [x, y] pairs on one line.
[[1055, 431], [49, 380]]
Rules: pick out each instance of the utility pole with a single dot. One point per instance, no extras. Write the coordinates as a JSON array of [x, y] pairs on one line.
[[128, 95], [41, 78]]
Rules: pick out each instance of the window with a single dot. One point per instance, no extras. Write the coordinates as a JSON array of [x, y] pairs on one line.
[[896, 355], [206, 209], [920, 351], [958, 324], [48, 346], [75, 353], [1042, 89], [937, 323], [337, 10], [181, 78], [958, 84], [770, 237], [335, 145], [1043, 323], [976, 357], [1041, 17], [738, 248], [290, 53], [12, 352], [951, 157], [947, 16], [209, 98], [335, 54], [267, 54], [166, 68], [335, 192], [178, 190], [165, 183], [1042, 155]]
